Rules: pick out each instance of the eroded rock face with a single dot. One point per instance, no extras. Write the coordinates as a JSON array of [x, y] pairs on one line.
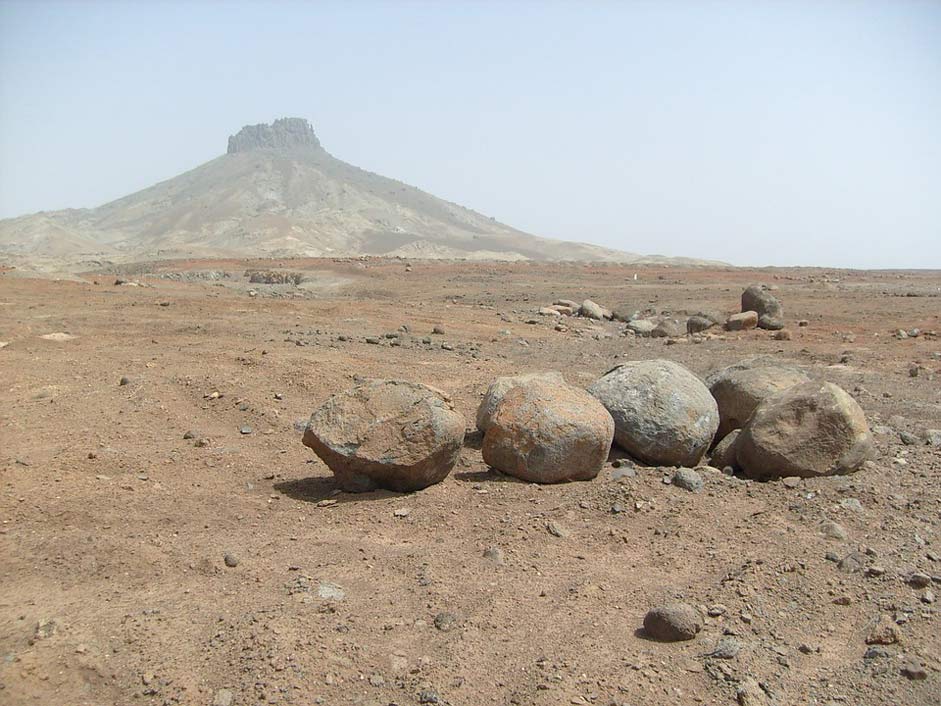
[[544, 432], [499, 387], [740, 388], [812, 429], [663, 414], [389, 434], [281, 134]]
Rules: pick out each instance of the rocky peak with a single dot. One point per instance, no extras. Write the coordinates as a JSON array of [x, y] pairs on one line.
[[284, 133]]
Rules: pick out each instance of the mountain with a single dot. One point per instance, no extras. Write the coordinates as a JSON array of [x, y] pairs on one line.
[[277, 192]]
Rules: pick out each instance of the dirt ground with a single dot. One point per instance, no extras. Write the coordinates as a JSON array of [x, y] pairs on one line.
[[113, 584]]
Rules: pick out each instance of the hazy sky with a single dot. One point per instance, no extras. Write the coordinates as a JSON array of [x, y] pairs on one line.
[[752, 132]]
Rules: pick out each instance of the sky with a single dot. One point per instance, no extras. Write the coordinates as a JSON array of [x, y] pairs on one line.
[[754, 132]]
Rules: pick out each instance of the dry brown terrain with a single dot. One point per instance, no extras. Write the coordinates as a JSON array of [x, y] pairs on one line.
[[113, 584]]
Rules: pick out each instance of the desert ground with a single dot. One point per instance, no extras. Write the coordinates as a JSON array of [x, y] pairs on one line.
[[167, 539]]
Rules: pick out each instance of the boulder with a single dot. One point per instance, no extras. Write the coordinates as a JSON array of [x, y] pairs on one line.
[[641, 327], [591, 310], [714, 316], [809, 430], [698, 324], [740, 388], [742, 322], [672, 622], [663, 414], [548, 311], [389, 434], [723, 455], [668, 328], [567, 303], [545, 432], [565, 310], [770, 312], [499, 387], [624, 313]]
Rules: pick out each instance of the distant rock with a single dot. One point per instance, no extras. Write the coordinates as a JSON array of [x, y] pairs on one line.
[[770, 312], [641, 327], [624, 313], [546, 432], [698, 324], [389, 434], [568, 303], [673, 622], [499, 387], [668, 328], [591, 310], [740, 388], [663, 413], [811, 429], [742, 322]]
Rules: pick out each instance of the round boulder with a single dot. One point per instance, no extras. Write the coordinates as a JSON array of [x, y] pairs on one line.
[[663, 414], [548, 433], [672, 622], [770, 312], [812, 429], [499, 387], [740, 388], [390, 434]]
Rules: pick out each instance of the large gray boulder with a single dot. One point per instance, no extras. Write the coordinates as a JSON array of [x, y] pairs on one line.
[[740, 388], [390, 434], [812, 429], [663, 414], [499, 387], [546, 432], [770, 312]]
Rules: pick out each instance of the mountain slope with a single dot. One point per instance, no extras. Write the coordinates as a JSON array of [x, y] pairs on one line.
[[277, 192]]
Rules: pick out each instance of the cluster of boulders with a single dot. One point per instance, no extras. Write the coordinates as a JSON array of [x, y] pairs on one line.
[[759, 418], [274, 277], [759, 309]]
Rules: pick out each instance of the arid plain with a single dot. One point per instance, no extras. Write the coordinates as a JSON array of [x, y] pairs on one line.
[[167, 539]]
